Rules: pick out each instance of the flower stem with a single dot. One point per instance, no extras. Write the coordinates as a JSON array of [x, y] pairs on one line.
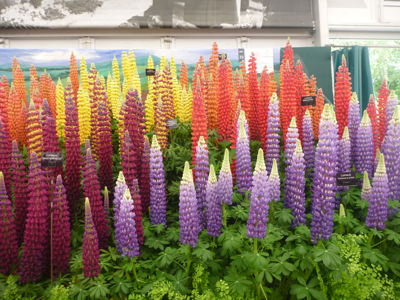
[[256, 273], [134, 273], [189, 261], [224, 214]]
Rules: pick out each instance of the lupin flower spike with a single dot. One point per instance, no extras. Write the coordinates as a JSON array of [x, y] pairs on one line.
[[378, 203], [291, 138], [188, 212], [365, 146], [260, 197], [274, 182], [243, 161], [214, 205], [90, 247], [202, 171], [273, 128], [354, 122], [308, 141], [366, 188], [119, 192], [225, 184]]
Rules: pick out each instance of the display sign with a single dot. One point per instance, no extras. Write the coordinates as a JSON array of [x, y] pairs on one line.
[[52, 159], [346, 178], [241, 54], [309, 101], [172, 123], [150, 72]]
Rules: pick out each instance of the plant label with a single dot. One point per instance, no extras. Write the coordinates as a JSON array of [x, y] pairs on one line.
[[172, 123], [220, 56], [150, 72], [241, 54], [309, 101], [52, 159], [346, 178]]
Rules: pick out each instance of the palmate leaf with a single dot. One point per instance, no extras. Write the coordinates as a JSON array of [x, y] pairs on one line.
[[120, 286], [78, 291], [392, 236], [202, 252], [281, 266], [99, 288], [239, 261], [240, 213], [179, 281], [329, 256], [304, 290], [238, 282], [156, 243], [284, 215], [258, 260], [166, 257], [172, 234], [374, 255]]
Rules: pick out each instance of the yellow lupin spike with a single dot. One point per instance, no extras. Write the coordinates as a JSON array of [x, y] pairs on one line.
[[274, 170], [365, 121], [149, 112], [60, 107], [185, 114], [354, 98], [212, 178], [84, 75], [293, 123], [226, 167], [155, 144], [396, 115], [115, 69], [108, 87], [114, 97], [260, 164], [366, 183], [299, 149], [201, 141], [326, 114], [342, 212], [242, 132], [162, 62], [83, 114]]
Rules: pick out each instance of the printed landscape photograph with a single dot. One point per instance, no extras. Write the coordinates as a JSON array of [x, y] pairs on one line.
[[155, 13]]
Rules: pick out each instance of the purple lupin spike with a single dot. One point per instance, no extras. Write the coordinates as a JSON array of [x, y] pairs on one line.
[[8, 235], [354, 123], [158, 199], [214, 205], [294, 186], [119, 192], [365, 146], [391, 150], [324, 188], [258, 216], [308, 142], [366, 188], [201, 180], [125, 228], [243, 161], [225, 184], [291, 139], [188, 212], [90, 247], [273, 129], [344, 164], [274, 183], [391, 104], [378, 204]]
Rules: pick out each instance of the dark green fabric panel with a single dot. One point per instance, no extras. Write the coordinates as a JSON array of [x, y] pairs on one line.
[[357, 58], [316, 61]]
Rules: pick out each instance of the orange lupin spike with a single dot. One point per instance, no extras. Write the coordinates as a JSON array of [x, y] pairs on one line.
[[272, 83], [33, 72], [19, 83], [6, 85], [37, 98], [14, 109], [317, 112], [213, 61], [212, 104], [22, 128], [382, 105], [183, 76], [287, 99], [224, 100], [265, 95]]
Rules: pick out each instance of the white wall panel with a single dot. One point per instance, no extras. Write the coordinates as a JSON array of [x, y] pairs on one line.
[[43, 43], [127, 43]]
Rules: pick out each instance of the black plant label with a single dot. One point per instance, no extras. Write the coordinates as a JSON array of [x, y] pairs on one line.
[[172, 123], [309, 101], [346, 178], [150, 72], [241, 54], [52, 159]]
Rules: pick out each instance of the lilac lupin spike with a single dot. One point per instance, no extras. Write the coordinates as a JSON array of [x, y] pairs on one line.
[[378, 204], [258, 216], [119, 192], [243, 161], [366, 188], [188, 213], [125, 230], [391, 104], [273, 128], [158, 199], [308, 141], [201, 180], [214, 205], [274, 183], [291, 139], [391, 150], [294, 186], [225, 184], [354, 123], [365, 146], [324, 188], [344, 164]]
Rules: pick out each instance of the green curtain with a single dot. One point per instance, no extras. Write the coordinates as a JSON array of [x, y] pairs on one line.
[[316, 61], [357, 58]]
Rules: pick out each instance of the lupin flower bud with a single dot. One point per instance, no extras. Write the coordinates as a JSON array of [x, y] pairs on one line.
[[273, 129], [214, 205], [342, 213], [291, 139], [91, 189], [201, 180], [376, 162], [274, 183], [366, 188], [294, 186], [158, 203], [8, 236], [225, 184], [119, 192], [35, 257], [324, 188], [125, 230], [90, 247], [378, 203], [243, 161], [391, 150], [365, 146], [61, 230], [345, 148], [258, 216], [188, 212]]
